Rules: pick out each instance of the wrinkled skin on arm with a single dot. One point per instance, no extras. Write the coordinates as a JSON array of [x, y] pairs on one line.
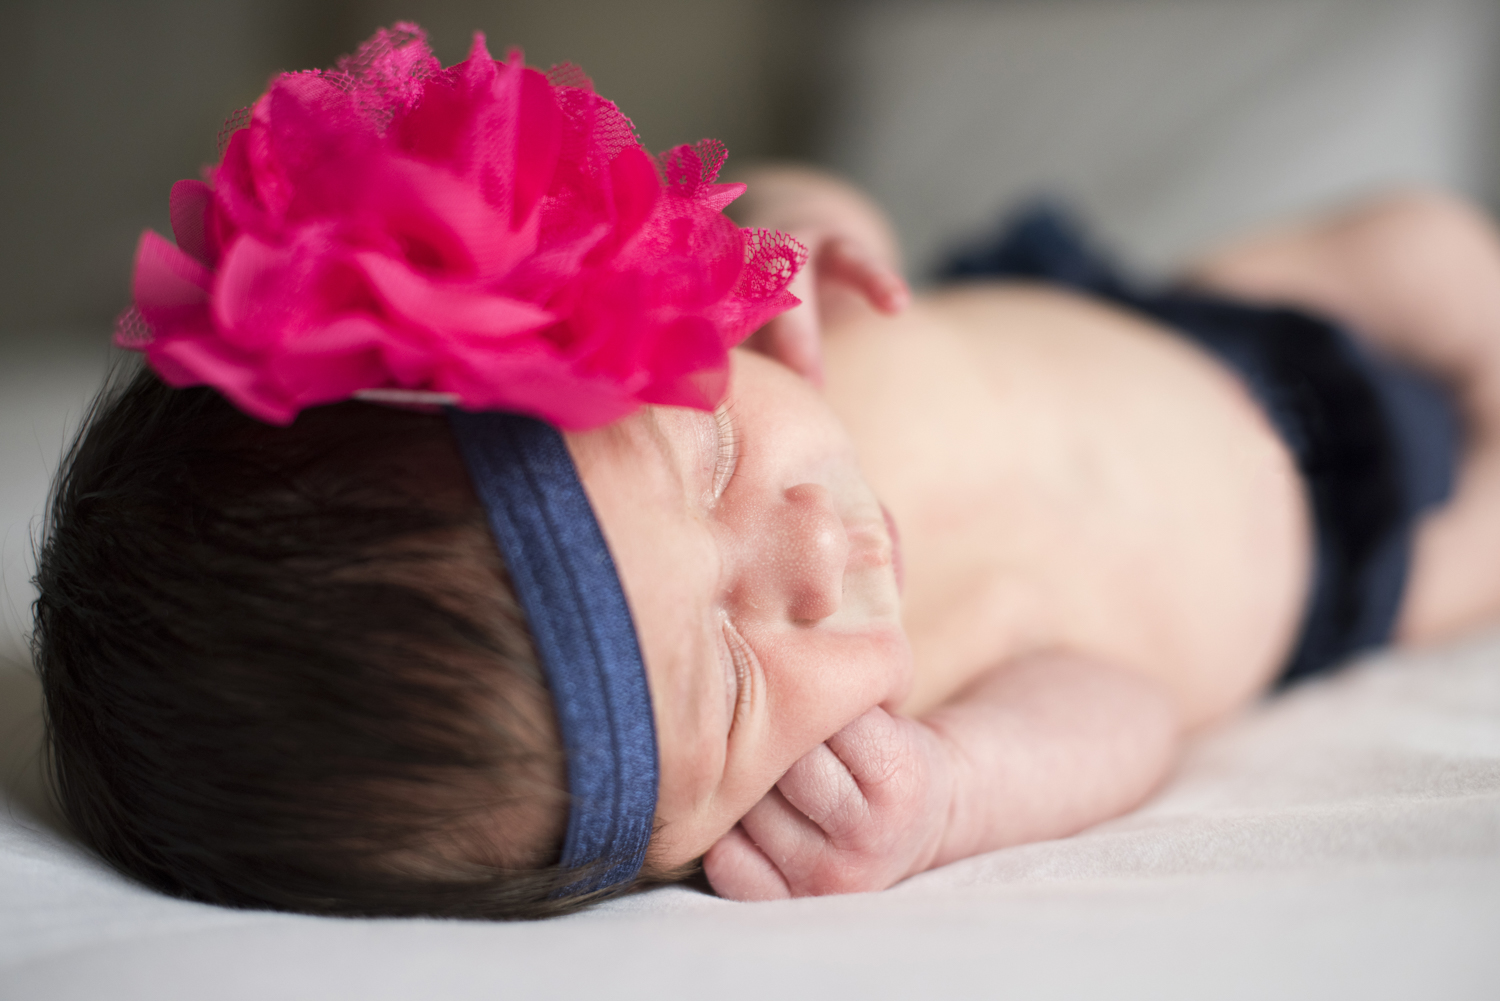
[[1039, 748]]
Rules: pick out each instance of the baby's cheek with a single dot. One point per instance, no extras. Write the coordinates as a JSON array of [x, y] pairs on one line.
[[690, 772], [690, 811], [821, 680], [892, 650]]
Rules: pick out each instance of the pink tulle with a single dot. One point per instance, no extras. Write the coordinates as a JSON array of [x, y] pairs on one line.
[[481, 234]]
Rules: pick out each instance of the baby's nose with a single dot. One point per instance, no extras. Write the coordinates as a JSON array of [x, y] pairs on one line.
[[813, 551]]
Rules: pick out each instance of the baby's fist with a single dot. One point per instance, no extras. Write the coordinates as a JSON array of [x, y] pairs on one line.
[[860, 812]]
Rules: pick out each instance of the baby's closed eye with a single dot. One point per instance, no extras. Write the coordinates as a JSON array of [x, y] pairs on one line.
[[739, 677], [727, 453]]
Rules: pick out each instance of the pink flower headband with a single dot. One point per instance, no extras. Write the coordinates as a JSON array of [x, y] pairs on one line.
[[484, 236]]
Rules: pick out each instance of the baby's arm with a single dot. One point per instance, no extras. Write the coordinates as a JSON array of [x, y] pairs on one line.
[[853, 261], [1038, 748]]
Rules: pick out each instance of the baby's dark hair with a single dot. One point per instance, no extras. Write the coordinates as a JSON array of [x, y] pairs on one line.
[[285, 667]]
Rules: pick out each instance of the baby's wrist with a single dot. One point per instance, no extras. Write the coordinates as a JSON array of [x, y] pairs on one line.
[[940, 811], [958, 825]]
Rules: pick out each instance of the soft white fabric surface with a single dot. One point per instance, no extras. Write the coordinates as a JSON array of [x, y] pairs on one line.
[[1339, 841]]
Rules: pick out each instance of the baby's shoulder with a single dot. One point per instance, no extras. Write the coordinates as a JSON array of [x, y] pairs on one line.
[[1091, 474]]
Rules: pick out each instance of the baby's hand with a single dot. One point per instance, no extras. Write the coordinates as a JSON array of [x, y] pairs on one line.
[[837, 265], [860, 812], [852, 257]]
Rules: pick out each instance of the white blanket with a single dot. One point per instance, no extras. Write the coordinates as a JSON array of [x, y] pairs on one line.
[[1342, 840]]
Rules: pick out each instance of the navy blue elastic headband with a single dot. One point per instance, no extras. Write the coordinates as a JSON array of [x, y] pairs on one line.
[[583, 632]]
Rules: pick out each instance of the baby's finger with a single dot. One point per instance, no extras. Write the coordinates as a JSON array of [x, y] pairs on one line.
[[791, 842], [820, 786], [738, 870], [881, 284], [878, 750], [793, 339]]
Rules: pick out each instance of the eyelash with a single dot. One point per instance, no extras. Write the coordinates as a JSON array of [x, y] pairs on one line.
[[739, 658], [726, 464]]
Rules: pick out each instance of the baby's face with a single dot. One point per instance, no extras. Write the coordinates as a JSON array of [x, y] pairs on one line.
[[761, 574]]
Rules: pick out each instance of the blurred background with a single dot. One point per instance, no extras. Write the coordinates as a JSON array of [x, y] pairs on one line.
[[1170, 123]]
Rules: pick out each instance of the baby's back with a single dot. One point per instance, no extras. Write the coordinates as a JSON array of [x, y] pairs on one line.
[[1068, 475]]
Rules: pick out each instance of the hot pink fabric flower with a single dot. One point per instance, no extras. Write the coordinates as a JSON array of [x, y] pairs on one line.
[[481, 233]]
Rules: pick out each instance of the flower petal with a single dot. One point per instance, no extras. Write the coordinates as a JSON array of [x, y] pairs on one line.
[[478, 231], [437, 221], [171, 289], [189, 204], [331, 363], [259, 293], [203, 361], [447, 308]]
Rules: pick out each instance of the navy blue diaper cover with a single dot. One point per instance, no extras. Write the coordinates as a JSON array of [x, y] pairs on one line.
[[1377, 443]]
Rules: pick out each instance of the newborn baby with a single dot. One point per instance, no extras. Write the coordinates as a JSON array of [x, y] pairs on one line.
[[934, 577], [1104, 542]]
